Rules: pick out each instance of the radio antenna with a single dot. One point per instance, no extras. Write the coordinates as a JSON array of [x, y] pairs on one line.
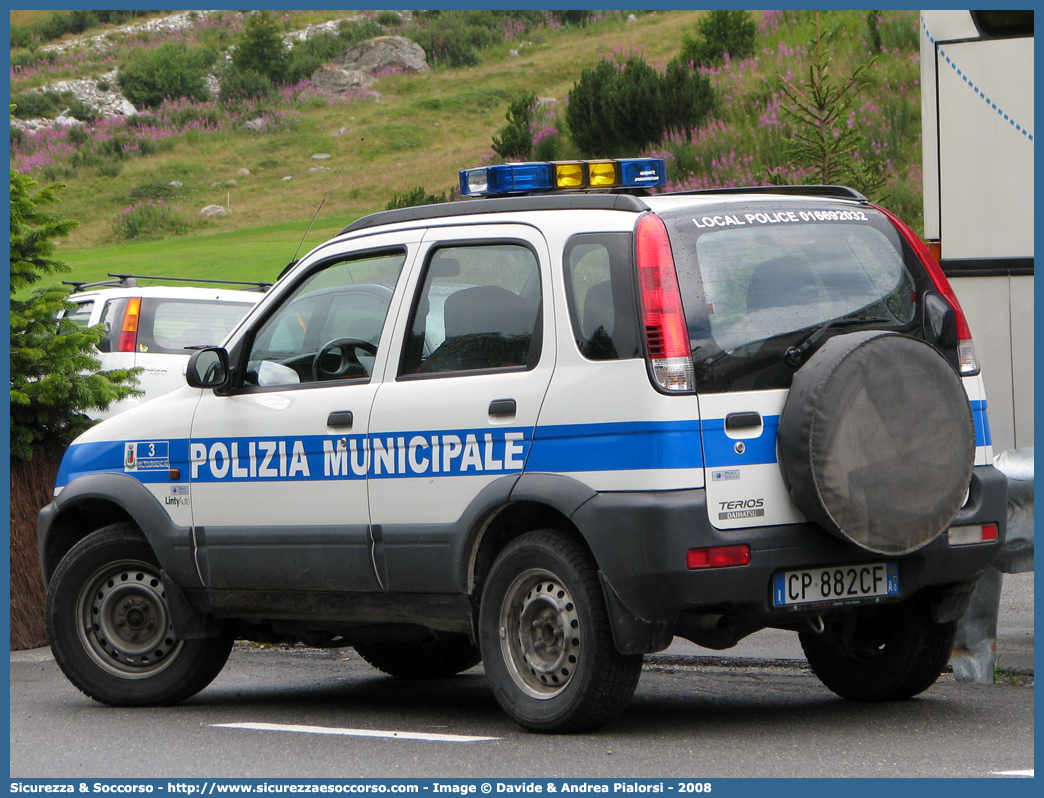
[[315, 216]]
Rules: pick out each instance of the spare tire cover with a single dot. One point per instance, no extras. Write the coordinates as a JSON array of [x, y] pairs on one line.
[[877, 442]]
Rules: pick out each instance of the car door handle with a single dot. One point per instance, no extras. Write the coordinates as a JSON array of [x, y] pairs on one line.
[[502, 407], [742, 420], [339, 418]]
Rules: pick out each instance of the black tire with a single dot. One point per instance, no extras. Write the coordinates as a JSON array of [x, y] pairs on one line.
[[895, 652], [546, 640], [432, 659], [110, 629]]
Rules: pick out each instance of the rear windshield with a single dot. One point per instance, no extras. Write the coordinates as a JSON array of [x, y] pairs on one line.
[[758, 277], [170, 326]]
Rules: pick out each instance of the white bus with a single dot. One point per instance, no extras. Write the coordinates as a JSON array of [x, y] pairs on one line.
[[977, 139]]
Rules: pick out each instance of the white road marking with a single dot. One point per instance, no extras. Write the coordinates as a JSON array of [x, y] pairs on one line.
[[1023, 773], [389, 735]]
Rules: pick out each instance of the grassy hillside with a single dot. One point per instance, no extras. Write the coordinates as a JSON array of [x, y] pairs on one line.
[[418, 130]]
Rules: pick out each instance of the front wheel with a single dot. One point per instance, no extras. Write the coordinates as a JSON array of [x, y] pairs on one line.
[[882, 653], [110, 627], [546, 640]]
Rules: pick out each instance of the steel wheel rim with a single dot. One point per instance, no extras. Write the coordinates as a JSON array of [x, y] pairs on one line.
[[124, 622], [540, 633]]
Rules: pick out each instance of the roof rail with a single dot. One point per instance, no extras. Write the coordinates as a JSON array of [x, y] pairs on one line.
[[838, 192], [130, 280], [78, 286], [539, 202]]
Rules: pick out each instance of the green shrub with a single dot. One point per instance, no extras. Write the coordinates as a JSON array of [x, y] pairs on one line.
[[389, 19], [619, 110], [78, 135], [148, 219], [23, 58], [687, 98], [720, 32], [516, 137], [309, 55], [576, 18], [60, 23], [898, 34], [353, 31], [157, 191], [589, 123], [34, 104], [873, 31], [110, 167], [171, 70], [548, 147], [244, 84], [417, 196], [453, 38], [262, 49], [82, 111], [616, 110]]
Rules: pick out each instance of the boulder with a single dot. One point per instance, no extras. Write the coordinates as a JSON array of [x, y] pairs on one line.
[[333, 78], [215, 211], [385, 52]]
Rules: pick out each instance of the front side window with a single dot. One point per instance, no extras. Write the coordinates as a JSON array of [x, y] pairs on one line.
[[478, 310], [329, 327]]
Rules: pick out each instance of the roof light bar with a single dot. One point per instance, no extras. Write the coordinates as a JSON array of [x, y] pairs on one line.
[[547, 176]]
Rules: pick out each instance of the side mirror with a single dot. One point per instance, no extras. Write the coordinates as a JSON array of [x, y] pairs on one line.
[[208, 368]]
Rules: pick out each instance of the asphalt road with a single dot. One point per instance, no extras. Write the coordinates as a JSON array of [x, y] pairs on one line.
[[695, 715]]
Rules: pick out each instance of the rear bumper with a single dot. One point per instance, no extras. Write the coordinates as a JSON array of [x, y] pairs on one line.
[[640, 541]]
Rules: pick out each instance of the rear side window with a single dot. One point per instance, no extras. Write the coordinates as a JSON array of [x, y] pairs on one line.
[[600, 292], [80, 315]]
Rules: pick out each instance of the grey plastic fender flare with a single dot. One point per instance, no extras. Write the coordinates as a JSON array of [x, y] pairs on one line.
[[171, 543]]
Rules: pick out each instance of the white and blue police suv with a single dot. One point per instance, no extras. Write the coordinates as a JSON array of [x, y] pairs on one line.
[[550, 428]]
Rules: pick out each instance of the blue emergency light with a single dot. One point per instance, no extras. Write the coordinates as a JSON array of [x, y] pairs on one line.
[[546, 176]]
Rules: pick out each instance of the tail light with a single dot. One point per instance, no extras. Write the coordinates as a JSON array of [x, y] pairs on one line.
[[970, 535], [965, 346], [663, 319], [717, 557], [129, 330]]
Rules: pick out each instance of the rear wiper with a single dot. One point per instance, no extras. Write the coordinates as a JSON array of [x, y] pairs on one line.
[[796, 354]]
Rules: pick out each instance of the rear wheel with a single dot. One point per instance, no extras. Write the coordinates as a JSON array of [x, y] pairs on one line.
[[546, 640], [110, 628], [881, 654], [433, 659]]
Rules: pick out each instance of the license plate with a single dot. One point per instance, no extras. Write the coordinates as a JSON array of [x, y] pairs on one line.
[[841, 583]]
